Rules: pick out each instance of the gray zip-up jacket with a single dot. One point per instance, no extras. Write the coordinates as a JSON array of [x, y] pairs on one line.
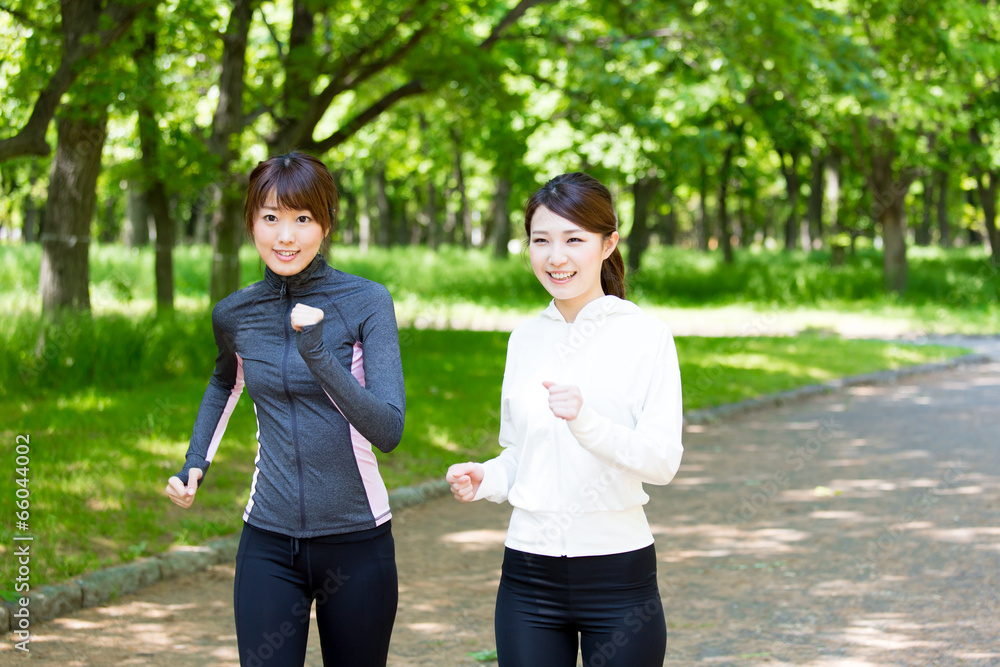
[[322, 397]]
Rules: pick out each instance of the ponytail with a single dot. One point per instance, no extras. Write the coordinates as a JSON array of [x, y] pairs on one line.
[[613, 274]]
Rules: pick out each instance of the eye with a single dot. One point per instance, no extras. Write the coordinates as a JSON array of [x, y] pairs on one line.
[[575, 238], [538, 240], [269, 217], [304, 218]]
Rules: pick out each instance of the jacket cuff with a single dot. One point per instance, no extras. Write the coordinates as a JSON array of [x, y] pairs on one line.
[[310, 340], [587, 425], [494, 485]]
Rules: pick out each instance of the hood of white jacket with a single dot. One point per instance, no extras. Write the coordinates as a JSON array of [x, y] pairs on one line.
[[598, 309]]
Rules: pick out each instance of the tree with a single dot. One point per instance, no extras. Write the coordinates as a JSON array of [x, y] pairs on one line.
[[87, 30], [81, 131]]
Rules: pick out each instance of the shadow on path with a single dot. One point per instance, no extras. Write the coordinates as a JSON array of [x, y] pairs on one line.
[[859, 529]]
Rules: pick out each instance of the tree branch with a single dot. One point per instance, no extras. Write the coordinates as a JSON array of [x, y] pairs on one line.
[[409, 89], [274, 35], [23, 18], [30, 140], [511, 18], [413, 87]]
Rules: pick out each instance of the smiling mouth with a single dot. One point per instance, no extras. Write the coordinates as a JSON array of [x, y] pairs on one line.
[[561, 276], [286, 253]]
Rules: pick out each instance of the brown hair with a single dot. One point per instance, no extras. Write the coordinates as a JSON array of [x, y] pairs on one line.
[[584, 201], [299, 182]]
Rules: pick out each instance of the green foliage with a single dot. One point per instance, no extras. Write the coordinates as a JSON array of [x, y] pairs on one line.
[[488, 655]]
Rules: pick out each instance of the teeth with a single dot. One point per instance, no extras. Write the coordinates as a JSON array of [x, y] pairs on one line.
[[562, 276], [285, 253]]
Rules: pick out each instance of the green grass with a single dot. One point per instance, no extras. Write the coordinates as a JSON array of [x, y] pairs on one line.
[[100, 455]]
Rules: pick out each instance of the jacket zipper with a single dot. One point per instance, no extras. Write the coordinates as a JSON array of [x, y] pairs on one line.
[[291, 407]]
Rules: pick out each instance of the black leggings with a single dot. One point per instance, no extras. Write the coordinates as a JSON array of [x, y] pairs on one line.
[[351, 577], [608, 606]]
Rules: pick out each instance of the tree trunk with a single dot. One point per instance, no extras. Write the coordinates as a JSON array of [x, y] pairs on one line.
[[365, 214], [109, 224], [890, 212], [643, 191], [702, 230], [431, 214], [941, 187], [348, 215], [667, 225], [227, 124], [136, 232], [464, 212], [155, 188], [725, 234], [988, 204], [65, 273], [815, 203], [398, 206], [791, 174], [987, 198], [501, 218], [29, 211], [384, 211], [922, 234]]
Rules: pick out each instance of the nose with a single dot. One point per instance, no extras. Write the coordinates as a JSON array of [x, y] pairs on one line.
[[558, 255], [286, 233]]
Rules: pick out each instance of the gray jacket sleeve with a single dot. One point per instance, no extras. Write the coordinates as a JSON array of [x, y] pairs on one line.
[[221, 395], [376, 409]]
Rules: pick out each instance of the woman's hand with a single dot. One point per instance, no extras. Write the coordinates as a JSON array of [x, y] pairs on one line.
[[184, 495], [565, 400], [465, 479], [305, 316]]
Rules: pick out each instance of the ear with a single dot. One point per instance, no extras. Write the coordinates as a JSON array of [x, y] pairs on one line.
[[610, 244]]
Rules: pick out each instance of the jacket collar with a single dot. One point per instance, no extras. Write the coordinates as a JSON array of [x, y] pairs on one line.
[[597, 309], [300, 283]]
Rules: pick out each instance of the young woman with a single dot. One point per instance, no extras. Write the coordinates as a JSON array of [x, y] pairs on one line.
[[318, 352], [590, 409]]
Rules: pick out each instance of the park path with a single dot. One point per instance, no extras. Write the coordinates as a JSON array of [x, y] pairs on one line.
[[856, 529]]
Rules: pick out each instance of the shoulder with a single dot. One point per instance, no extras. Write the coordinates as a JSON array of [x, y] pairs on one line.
[[529, 330], [358, 299], [349, 282], [633, 315], [227, 312]]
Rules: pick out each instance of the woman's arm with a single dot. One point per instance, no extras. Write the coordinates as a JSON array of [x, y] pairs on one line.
[[218, 402], [493, 479], [377, 408], [652, 451]]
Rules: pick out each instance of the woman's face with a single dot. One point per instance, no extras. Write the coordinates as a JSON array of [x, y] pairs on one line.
[[286, 240], [567, 259]]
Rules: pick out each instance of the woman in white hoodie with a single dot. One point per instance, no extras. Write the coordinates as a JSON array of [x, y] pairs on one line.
[[590, 409]]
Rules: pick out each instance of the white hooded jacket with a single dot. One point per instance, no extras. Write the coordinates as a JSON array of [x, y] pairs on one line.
[[576, 486]]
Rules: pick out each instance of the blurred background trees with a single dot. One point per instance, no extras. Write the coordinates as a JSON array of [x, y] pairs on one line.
[[721, 126]]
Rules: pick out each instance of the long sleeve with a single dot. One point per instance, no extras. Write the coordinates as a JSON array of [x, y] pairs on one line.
[[376, 409], [652, 451], [500, 472], [220, 398]]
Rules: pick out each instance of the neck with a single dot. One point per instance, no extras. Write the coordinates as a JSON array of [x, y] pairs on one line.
[[297, 281]]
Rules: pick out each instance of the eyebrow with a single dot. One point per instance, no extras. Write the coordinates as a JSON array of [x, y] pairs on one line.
[[540, 232]]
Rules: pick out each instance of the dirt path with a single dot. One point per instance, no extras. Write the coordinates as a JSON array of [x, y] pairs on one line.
[[860, 529]]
